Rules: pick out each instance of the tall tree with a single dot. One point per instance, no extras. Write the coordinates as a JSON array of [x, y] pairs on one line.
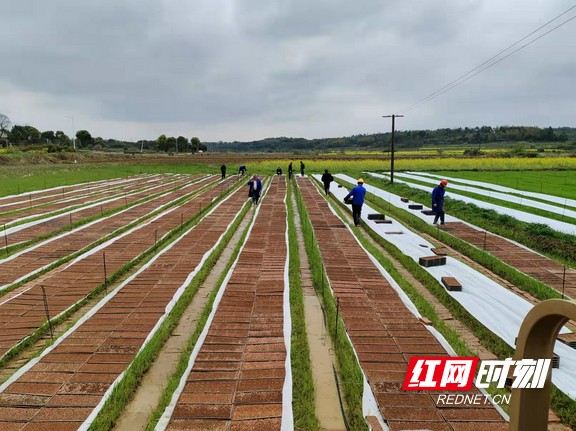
[[33, 134], [18, 134], [171, 143], [195, 144], [84, 137], [162, 143], [48, 136], [25, 135], [62, 138], [182, 144]]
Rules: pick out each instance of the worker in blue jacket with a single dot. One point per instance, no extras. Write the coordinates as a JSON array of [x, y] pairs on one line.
[[357, 194], [438, 201]]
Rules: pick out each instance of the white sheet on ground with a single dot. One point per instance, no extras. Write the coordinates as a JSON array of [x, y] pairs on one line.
[[287, 412], [519, 215], [542, 196], [491, 193]]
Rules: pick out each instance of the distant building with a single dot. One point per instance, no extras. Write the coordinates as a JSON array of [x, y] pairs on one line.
[[3, 141]]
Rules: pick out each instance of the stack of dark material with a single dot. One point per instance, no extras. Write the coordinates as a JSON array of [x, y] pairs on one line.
[[428, 261], [376, 216], [555, 361]]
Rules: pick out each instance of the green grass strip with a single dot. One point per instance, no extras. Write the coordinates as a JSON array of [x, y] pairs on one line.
[[564, 407], [352, 379], [302, 381], [124, 390]]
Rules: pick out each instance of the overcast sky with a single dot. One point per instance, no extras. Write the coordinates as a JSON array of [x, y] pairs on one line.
[[250, 69]]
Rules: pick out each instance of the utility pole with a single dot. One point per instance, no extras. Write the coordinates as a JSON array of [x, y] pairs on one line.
[[73, 132], [393, 116]]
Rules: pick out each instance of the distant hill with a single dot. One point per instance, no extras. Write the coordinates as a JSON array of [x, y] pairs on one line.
[[563, 137]]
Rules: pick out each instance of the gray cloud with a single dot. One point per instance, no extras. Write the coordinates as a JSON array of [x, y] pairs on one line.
[[247, 69]]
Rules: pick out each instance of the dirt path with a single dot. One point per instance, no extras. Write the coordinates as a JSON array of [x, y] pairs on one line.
[[135, 415], [328, 409]]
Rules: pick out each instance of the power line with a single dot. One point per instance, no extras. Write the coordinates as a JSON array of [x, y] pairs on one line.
[[490, 63], [439, 93], [490, 59]]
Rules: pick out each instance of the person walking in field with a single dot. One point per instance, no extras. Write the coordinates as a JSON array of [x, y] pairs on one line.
[[438, 201], [254, 189], [223, 170], [290, 171], [357, 194], [327, 178], [302, 166]]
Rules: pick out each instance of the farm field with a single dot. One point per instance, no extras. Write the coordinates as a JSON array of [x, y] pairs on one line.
[[100, 264]]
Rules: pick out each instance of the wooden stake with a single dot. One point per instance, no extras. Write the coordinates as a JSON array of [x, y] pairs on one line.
[[45, 300]]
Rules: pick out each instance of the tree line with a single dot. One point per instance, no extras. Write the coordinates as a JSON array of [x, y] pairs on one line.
[[29, 136], [474, 137], [179, 144], [409, 139]]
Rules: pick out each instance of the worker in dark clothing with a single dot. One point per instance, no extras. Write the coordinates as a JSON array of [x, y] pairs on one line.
[[302, 166], [290, 171], [279, 171], [357, 194], [223, 170], [242, 170], [438, 201], [327, 178], [254, 189]]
